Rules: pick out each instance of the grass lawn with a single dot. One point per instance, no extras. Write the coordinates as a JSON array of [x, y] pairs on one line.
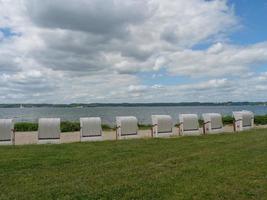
[[227, 166]]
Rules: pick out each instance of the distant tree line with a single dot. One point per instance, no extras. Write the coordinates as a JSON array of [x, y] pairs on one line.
[[76, 105]]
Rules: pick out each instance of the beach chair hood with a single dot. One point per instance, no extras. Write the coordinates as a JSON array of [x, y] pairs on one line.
[[127, 125], [189, 121], [163, 123], [215, 120], [91, 126], [6, 129], [49, 128]]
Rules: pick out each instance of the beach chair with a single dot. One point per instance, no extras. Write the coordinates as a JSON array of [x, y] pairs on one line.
[[188, 125], [91, 129], [212, 123], [126, 127], [243, 120], [49, 130], [7, 133], [162, 125]]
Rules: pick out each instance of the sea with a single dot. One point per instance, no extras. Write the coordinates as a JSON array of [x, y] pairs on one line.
[[108, 114]]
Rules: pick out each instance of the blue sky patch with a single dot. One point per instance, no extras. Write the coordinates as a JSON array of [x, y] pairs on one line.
[[7, 32]]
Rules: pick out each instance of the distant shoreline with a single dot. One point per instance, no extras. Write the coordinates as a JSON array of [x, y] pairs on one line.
[[82, 105]]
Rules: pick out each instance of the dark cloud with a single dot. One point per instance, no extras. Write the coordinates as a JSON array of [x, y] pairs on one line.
[[94, 16]]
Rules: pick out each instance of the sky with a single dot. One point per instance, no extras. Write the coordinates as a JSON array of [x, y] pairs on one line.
[[113, 51]]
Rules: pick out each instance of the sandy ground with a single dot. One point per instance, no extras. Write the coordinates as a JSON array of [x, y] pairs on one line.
[[24, 138]]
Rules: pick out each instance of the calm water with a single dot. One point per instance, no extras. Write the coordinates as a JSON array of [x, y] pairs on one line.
[[108, 114]]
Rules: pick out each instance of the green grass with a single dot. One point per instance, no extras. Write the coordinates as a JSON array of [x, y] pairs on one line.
[[227, 166]]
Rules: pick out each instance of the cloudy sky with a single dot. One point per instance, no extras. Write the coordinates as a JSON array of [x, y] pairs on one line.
[[70, 51]]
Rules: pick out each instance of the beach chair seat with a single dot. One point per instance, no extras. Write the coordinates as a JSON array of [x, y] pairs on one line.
[[189, 125], [126, 127], [91, 129], [7, 132], [212, 123], [49, 130], [162, 125]]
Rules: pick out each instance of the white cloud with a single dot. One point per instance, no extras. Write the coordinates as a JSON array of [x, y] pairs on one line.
[[219, 60], [94, 51]]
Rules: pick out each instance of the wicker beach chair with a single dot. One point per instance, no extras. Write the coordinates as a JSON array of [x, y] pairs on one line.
[[162, 125], [188, 125], [127, 127], [91, 129], [7, 133], [48, 130], [212, 123], [243, 120]]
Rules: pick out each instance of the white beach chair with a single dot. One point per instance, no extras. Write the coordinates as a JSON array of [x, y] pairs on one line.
[[162, 125], [188, 125], [48, 130], [212, 123], [127, 127], [7, 133], [243, 120], [91, 129]]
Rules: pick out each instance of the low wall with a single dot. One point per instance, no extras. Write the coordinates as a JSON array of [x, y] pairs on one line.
[[24, 138], [27, 138]]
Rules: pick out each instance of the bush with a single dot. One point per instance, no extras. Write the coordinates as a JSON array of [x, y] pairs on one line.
[[261, 120], [64, 126], [228, 120], [144, 126], [106, 127], [69, 126], [26, 126], [201, 122]]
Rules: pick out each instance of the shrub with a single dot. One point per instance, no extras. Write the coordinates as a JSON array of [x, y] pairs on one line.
[[144, 126], [201, 122], [261, 120], [228, 120], [26, 126], [65, 126], [69, 126], [106, 127]]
